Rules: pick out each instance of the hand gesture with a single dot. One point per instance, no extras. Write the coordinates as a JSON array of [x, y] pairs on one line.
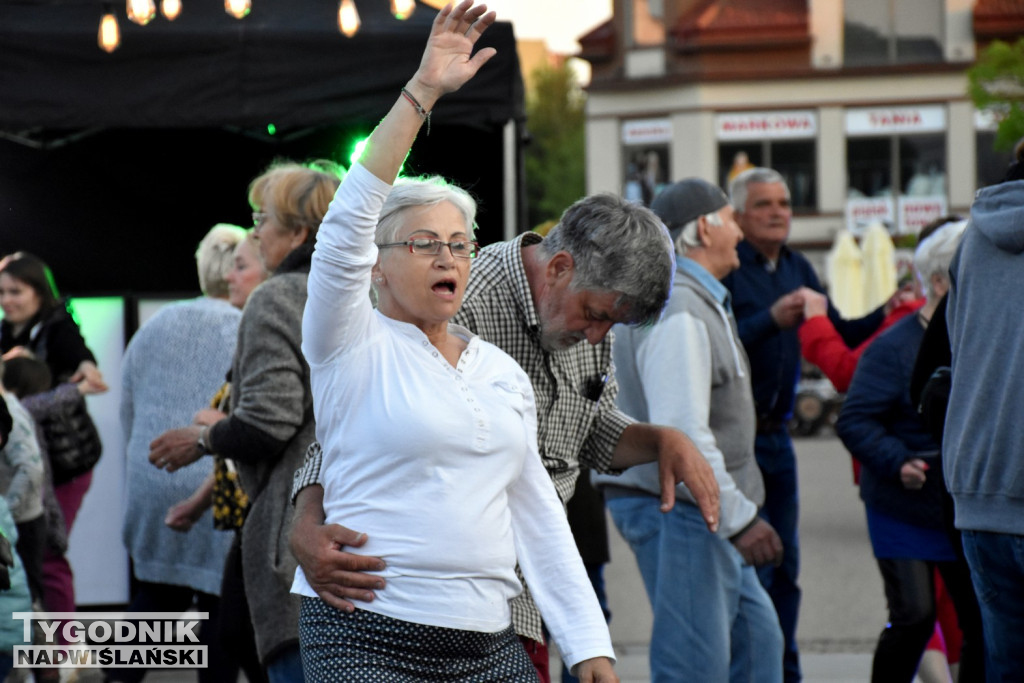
[[175, 448], [759, 545], [88, 373], [788, 310], [336, 575], [815, 303], [679, 461], [446, 64], [183, 515]]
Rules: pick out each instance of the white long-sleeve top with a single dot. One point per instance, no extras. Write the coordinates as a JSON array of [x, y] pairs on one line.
[[438, 465]]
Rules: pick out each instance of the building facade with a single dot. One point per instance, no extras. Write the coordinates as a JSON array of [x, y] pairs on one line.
[[861, 104]]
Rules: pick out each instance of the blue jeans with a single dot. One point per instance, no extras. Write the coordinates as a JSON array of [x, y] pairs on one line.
[[713, 621], [286, 667], [777, 460], [997, 571]]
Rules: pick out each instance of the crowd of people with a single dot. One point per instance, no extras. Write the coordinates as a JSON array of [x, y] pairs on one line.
[[344, 528]]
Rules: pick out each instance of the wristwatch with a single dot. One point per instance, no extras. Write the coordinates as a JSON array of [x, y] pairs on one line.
[[204, 445]]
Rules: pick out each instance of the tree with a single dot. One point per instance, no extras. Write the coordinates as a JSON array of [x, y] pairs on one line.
[[555, 156], [996, 84]]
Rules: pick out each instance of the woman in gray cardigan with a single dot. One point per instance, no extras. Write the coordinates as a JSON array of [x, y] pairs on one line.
[[271, 419]]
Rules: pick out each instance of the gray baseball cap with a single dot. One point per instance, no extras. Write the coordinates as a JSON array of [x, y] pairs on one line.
[[687, 200]]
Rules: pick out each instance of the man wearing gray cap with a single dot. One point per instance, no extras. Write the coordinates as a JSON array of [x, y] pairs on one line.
[[713, 621]]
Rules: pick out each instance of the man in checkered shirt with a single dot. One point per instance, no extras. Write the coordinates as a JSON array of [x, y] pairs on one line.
[[607, 261]]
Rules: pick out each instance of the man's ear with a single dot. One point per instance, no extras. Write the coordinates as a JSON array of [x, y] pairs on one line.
[[704, 231], [559, 266]]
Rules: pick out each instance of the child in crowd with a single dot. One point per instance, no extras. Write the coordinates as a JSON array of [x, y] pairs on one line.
[[21, 483]]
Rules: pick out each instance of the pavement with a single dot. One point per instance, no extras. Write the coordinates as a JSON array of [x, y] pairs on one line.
[[843, 606]]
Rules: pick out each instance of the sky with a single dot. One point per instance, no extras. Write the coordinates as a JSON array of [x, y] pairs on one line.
[[558, 22]]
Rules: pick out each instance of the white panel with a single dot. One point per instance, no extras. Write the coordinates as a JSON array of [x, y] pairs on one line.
[[96, 552]]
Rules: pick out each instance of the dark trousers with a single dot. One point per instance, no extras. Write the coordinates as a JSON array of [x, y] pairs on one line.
[[158, 597], [910, 594], [781, 509]]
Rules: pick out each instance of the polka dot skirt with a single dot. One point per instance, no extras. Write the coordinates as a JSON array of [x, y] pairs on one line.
[[365, 647]]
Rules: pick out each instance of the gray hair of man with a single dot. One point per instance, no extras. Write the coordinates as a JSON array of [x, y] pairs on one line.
[[689, 237], [617, 246], [933, 256], [739, 185], [215, 257]]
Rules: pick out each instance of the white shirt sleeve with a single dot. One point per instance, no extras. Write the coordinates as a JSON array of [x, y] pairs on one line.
[[338, 311], [674, 362], [550, 562]]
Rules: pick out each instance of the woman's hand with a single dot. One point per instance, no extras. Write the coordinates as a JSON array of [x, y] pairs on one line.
[[184, 514], [208, 417], [596, 670], [815, 303], [18, 352], [90, 374], [913, 473], [175, 448], [447, 62]]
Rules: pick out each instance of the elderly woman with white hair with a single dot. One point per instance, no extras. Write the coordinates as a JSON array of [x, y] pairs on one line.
[[429, 434], [172, 366], [901, 478]]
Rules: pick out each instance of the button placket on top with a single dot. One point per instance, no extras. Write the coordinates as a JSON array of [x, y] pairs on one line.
[[481, 425]]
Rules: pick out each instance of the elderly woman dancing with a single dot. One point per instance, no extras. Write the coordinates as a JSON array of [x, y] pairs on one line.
[[429, 433]]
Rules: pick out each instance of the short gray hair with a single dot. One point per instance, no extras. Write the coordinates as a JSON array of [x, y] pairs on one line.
[[935, 253], [215, 257], [688, 238], [617, 246], [409, 193], [739, 185]]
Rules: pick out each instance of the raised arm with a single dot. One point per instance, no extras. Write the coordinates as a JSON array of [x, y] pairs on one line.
[[447, 64]]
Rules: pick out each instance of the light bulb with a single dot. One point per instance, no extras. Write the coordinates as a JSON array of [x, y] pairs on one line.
[[348, 18], [170, 9], [239, 9], [403, 9], [109, 37], [140, 11]]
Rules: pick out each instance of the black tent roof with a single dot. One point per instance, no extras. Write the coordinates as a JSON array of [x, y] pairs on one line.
[[113, 166], [285, 64]]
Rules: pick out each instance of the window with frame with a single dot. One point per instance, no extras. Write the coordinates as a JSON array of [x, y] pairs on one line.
[[914, 164], [794, 159], [646, 23], [877, 32]]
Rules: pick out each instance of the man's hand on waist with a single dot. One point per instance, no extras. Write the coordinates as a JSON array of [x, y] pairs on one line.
[[336, 575]]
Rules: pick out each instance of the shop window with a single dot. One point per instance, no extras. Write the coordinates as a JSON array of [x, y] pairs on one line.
[[916, 162], [892, 32], [899, 180], [794, 159], [646, 172]]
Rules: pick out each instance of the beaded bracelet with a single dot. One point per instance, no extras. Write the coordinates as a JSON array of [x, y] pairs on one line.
[[419, 107]]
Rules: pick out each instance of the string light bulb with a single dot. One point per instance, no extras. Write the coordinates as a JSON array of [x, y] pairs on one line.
[[140, 12], [348, 18], [170, 9], [402, 9], [109, 37], [239, 9]]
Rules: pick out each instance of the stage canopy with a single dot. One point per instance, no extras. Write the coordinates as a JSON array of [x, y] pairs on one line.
[[113, 166]]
